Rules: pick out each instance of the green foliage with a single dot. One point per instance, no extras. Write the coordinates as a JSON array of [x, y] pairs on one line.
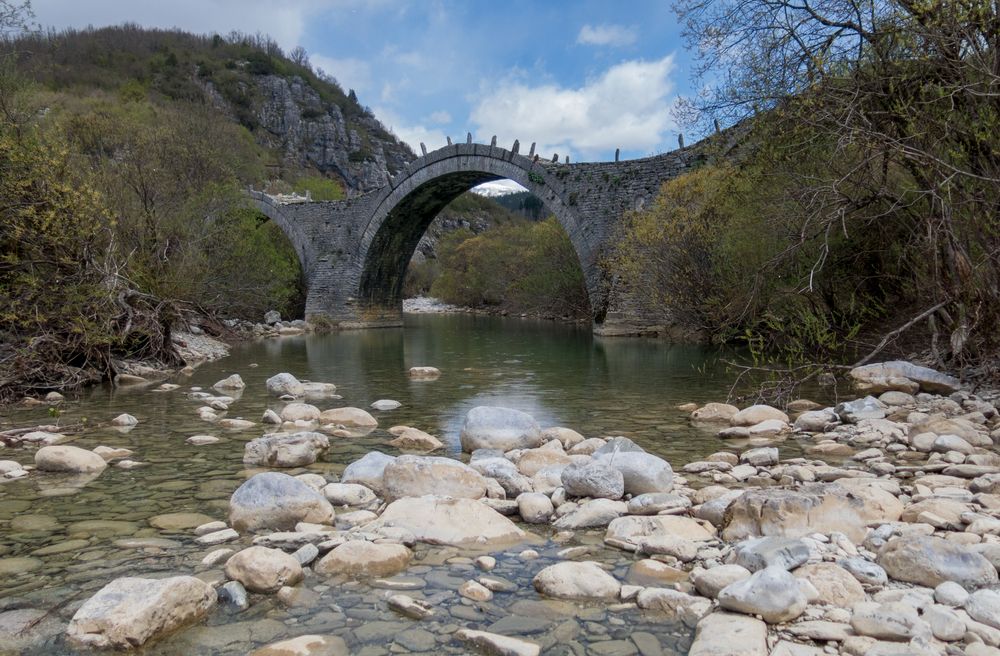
[[899, 101], [420, 277], [171, 177], [471, 206], [723, 252], [516, 266], [360, 155], [524, 203], [132, 91], [319, 188], [249, 267], [53, 238]]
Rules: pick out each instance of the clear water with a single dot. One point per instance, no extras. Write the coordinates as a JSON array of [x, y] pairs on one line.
[[61, 538]]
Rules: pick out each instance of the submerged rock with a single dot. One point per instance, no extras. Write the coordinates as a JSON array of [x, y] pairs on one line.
[[299, 412], [130, 611], [496, 644], [678, 606], [350, 417], [305, 645], [414, 439]]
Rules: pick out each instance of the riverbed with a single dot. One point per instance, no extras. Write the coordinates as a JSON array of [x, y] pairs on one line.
[[64, 537]]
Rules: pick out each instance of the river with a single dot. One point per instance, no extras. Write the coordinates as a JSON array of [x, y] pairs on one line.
[[63, 538]]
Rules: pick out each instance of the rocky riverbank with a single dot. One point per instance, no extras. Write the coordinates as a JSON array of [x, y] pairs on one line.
[[884, 538]]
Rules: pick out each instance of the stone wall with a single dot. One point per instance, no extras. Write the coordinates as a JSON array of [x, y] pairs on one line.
[[355, 252]]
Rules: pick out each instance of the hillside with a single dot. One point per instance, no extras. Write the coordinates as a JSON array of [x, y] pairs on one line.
[[304, 120]]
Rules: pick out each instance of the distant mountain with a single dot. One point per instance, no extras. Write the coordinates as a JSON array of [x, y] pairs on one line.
[[524, 203], [498, 188], [304, 118]]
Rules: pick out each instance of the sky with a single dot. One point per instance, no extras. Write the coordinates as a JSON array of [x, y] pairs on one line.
[[580, 78]]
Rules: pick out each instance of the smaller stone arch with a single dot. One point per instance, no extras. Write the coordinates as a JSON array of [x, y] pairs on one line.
[[283, 216]]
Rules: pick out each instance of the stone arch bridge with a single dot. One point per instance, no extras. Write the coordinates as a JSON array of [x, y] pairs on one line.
[[354, 252]]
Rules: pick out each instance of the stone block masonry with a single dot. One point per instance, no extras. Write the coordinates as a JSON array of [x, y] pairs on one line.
[[354, 253]]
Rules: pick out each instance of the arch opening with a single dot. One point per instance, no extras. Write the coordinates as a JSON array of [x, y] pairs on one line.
[[404, 225], [501, 253], [404, 213]]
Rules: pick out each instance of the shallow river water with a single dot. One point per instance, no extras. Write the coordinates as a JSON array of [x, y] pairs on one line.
[[62, 538]]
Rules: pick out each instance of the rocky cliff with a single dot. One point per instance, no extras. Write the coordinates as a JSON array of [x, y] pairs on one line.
[[292, 118]]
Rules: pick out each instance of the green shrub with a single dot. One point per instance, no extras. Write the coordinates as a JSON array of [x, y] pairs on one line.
[[517, 266], [319, 188]]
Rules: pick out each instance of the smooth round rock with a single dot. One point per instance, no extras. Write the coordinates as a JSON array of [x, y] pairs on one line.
[[261, 569], [577, 580]]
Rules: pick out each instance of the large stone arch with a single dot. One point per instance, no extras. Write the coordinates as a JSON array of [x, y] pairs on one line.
[[402, 212]]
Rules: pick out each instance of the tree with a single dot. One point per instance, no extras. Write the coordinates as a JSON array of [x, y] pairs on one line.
[[299, 56], [15, 17], [909, 93]]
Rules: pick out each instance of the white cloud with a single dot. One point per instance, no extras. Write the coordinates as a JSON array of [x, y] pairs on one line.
[[607, 35], [410, 133], [440, 117], [350, 72], [412, 59], [628, 106], [285, 22]]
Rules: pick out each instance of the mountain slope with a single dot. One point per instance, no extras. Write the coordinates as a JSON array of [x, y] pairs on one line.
[[304, 119]]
